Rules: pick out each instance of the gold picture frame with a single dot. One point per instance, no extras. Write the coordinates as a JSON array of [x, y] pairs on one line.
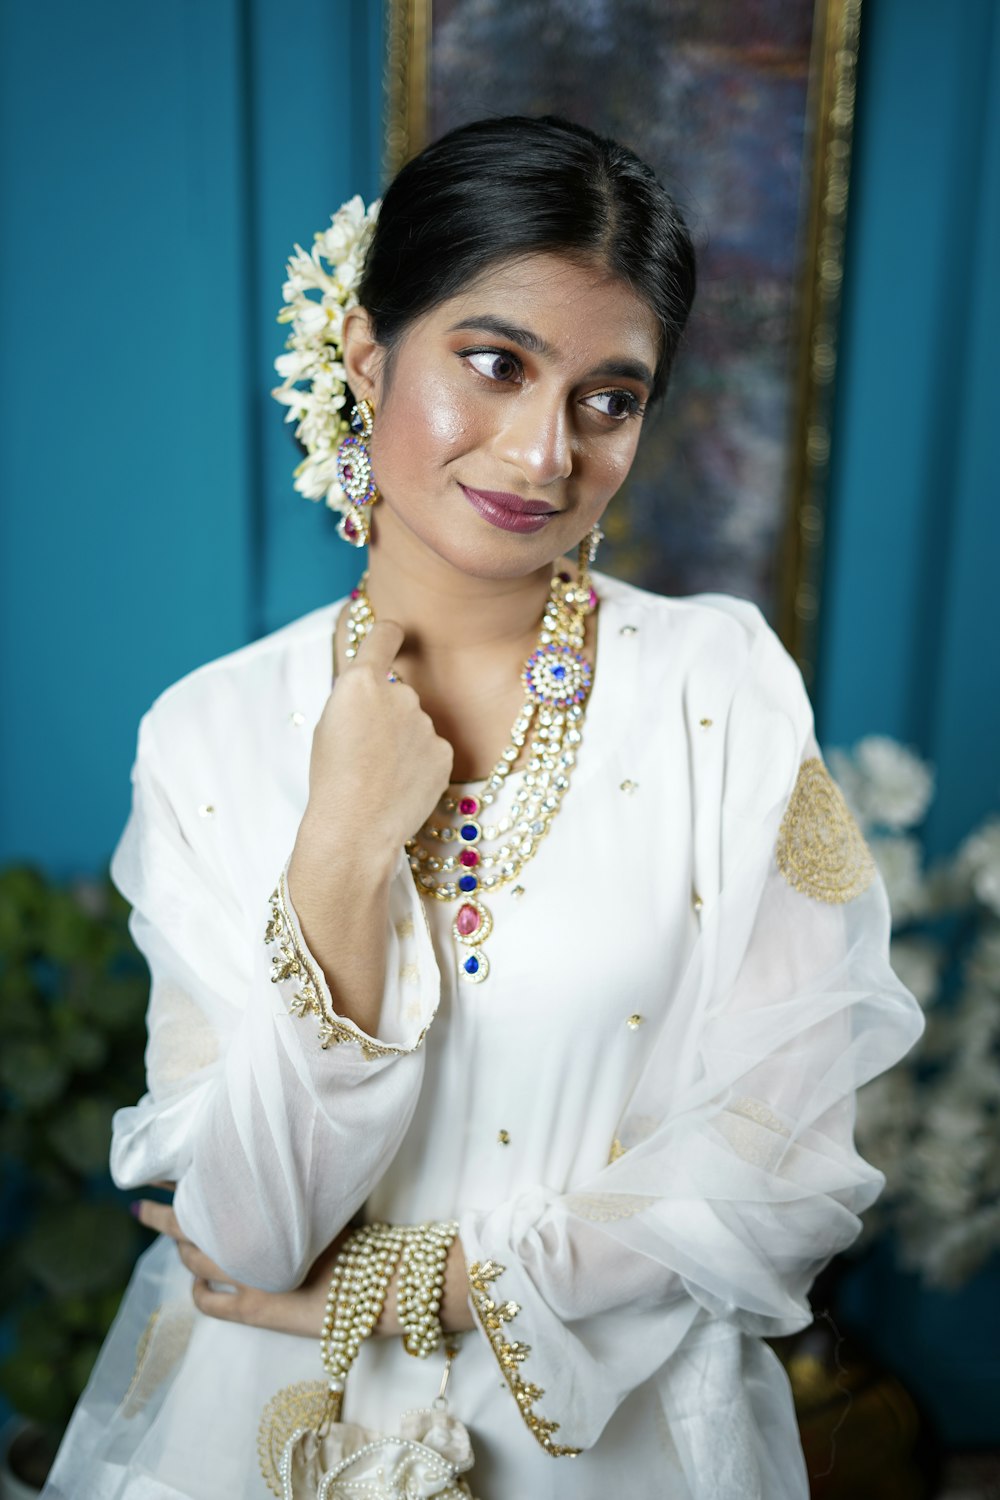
[[793, 600]]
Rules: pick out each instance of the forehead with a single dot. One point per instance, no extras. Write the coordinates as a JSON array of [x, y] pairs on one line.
[[579, 309]]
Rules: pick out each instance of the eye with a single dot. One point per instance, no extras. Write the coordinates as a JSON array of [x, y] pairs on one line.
[[617, 404], [494, 364]]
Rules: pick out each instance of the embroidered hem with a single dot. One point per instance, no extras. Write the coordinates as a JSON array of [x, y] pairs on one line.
[[493, 1315], [291, 961]]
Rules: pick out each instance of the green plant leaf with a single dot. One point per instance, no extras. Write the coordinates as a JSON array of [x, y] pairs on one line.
[[32, 1074], [67, 931], [36, 1388], [82, 1250], [81, 1134], [42, 1329]]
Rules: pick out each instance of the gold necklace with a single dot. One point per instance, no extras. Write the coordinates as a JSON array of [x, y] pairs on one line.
[[557, 678]]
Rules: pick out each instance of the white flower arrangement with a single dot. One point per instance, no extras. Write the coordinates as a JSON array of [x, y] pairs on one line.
[[932, 1124], [321, 287]]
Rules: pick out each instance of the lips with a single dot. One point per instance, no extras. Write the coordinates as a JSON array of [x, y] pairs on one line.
[[509, 512]]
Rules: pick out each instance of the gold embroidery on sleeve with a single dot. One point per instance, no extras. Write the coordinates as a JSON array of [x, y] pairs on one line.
[[755, 1109], [607, 1208], [290, 962], [755, 1132], [820, 850], [493, 1315]]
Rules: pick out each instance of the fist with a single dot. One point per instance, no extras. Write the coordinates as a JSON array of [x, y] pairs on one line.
[[378, 766]]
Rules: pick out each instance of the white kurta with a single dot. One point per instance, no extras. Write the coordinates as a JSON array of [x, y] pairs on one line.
[[693, 981]]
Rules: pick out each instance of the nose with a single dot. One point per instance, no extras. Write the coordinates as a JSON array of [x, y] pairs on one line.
[[537, 439]]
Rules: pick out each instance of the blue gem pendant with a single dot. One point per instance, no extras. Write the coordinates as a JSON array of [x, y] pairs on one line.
[[474, 921], [557, 675]]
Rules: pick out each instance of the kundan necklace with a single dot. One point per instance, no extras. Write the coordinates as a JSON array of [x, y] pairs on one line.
[[476, 856]]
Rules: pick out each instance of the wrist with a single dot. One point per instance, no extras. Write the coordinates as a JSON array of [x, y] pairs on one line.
[[328, 851], [454, 1313]]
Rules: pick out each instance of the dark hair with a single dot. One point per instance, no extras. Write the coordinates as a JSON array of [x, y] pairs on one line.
[[503, 187]]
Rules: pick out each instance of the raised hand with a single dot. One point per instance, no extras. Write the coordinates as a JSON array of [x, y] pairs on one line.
[[378, 768]]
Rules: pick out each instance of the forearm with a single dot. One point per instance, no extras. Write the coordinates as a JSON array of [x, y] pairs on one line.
[[343, 920]]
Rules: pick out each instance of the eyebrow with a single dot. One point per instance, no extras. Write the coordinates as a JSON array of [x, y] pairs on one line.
[[621, 369]]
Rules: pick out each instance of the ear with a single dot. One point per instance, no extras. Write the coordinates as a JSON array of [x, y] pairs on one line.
[[363, 356]]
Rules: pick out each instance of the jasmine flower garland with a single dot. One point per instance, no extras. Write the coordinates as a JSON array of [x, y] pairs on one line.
[[321, 287]]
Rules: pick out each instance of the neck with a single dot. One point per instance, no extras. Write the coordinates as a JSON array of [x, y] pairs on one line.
[[444, 611]]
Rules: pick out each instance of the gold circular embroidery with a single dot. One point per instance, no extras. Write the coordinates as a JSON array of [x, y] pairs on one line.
[[821, 851], [302, 1405]]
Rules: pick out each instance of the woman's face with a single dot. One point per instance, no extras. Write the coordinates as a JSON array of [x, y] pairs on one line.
[[511, 414]]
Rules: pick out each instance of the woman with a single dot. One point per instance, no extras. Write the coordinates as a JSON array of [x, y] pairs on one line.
[[605, 1014]]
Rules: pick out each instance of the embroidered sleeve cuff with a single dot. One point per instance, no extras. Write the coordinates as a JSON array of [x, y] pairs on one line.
[[495, 1316], [412, 981]]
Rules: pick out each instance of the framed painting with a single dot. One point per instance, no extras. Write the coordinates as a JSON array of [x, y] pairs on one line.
[[745, 111]]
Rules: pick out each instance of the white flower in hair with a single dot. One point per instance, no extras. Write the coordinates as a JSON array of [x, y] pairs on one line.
[[321, 286]]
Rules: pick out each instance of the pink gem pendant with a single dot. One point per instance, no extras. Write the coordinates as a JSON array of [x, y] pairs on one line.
[[471, 927]]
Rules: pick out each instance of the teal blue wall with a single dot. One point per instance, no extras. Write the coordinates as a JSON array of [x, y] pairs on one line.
[[911, 614], [156, 164]]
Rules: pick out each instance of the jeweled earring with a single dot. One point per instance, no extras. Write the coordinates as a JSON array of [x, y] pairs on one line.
[[354, 475], [588, 552]]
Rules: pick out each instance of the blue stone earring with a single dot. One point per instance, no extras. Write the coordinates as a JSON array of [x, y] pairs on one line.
[[354, 475]]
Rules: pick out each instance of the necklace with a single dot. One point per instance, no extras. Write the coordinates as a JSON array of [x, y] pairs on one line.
[[557, 678]]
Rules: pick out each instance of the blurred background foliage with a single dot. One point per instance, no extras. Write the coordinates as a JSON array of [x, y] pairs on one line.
[[73, 993]]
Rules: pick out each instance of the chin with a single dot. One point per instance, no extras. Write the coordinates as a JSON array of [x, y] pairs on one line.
[[510, 557], [487, 553]]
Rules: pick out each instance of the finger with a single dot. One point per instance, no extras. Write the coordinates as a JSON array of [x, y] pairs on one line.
[[380, 647], [199, 1264], [214, 1303], [159, 1217]]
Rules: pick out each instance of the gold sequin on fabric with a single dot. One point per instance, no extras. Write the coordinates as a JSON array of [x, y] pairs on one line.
[[290, 962], [493, 1315], [634, 1021], [503, 1137], [820, 850], [617, 1150]]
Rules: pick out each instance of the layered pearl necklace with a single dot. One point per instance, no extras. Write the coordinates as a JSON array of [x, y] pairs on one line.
[[557, 679]]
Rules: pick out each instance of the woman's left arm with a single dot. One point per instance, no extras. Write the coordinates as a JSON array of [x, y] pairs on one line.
[[299, 1311]]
